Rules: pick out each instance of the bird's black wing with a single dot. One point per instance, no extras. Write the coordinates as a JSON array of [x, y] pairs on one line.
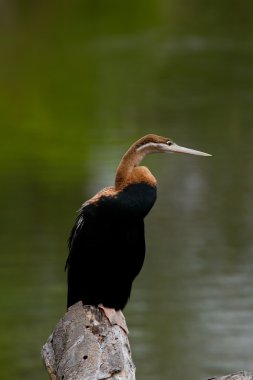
[[106, 252], [76, 230]]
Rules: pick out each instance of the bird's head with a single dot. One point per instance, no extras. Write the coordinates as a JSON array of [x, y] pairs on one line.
[[158, 144], [146, 145]]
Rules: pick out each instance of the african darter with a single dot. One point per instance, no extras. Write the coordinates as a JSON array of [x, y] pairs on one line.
[[107, 242]]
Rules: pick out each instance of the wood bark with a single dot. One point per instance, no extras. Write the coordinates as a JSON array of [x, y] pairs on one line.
[[85, 346]]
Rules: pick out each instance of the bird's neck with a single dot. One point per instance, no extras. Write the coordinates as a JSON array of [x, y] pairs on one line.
[[129, 172]]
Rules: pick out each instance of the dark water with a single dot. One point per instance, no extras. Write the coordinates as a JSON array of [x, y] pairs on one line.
[[80, 81]]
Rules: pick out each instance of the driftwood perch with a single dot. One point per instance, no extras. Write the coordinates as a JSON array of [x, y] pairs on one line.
[[85, 346]]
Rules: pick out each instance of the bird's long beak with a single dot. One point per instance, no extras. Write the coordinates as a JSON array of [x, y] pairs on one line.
[[174, 148]]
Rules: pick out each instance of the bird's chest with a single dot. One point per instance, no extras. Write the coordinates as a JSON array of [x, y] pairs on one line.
[[130, 204], [136, 200]]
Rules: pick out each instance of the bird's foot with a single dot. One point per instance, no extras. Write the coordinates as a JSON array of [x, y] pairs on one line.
[[115, 317]]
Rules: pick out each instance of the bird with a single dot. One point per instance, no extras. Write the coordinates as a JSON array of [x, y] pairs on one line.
[[107, 242]]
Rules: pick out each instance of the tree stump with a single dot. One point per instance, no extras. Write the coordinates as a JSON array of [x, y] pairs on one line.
[[85, 346]]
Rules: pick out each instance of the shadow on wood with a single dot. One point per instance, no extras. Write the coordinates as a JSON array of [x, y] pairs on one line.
[[84, 345]]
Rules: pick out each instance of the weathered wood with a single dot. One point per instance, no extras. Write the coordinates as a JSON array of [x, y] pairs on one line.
[[85, 346], [235, 376]]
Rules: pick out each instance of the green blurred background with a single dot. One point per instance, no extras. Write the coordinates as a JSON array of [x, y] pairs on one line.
[[79, 82]]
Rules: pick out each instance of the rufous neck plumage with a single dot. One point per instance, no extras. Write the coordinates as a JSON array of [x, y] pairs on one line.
[[129, 172]]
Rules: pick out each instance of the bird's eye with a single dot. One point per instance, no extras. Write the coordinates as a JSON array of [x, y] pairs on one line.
[[169, 143]]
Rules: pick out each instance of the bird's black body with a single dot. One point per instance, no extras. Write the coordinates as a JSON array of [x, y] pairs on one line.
[[107, 243], [107, 246]]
